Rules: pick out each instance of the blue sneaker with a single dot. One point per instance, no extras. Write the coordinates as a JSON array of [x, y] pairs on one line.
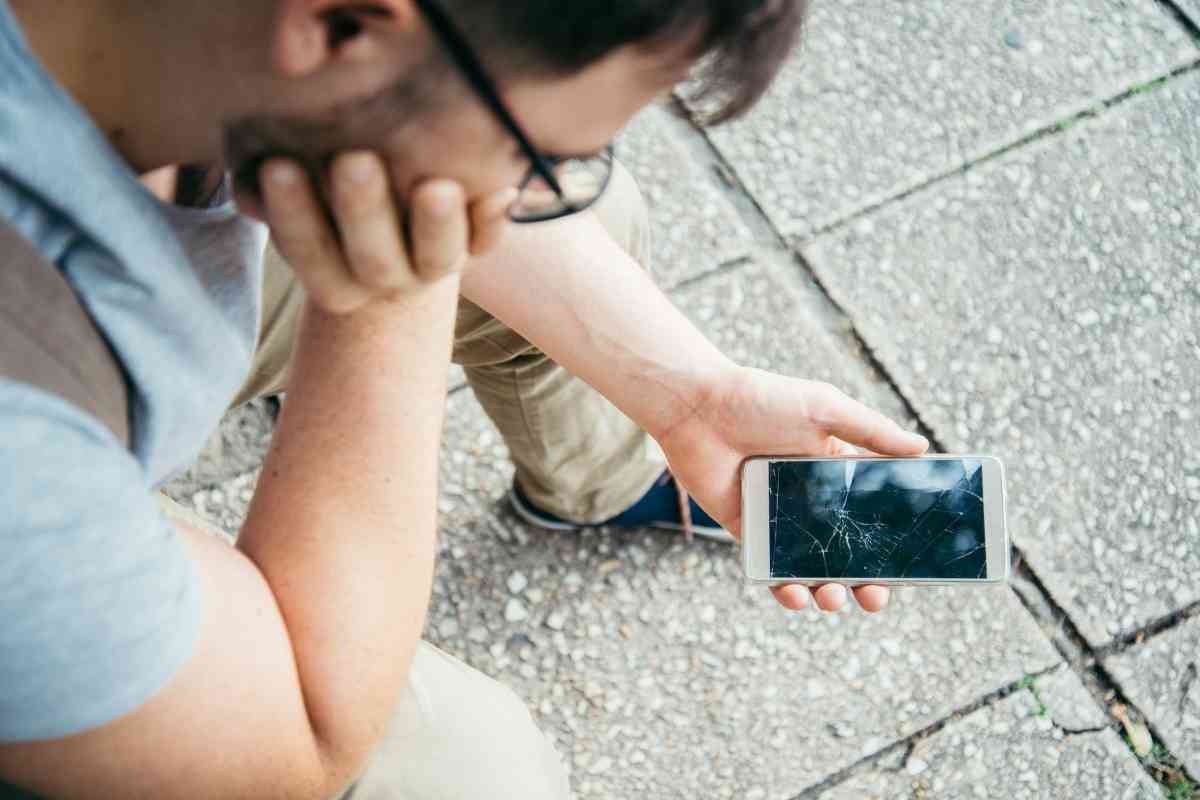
[[661, 507]]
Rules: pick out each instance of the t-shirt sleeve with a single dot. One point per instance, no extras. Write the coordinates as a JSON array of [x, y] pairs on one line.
[[99, 599]]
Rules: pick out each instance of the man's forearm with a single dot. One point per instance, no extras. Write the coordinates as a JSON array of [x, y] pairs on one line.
[[570, 289], [343, 524]]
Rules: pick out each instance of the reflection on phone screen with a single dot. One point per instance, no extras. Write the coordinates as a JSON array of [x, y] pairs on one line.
[[909, 518]]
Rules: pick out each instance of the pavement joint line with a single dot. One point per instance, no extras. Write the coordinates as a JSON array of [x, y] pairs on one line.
[[1173, 8], [835, 319], [1087, 662], [1149, 631], [1051, 129], [724, 268], [909, 743]]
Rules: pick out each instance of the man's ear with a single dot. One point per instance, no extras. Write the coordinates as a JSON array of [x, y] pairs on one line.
[[311, 34]]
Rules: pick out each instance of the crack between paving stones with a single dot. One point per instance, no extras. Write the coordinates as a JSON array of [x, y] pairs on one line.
[[1051, 129], [1149, 631], [1069, 732], [1175, 10], [724, 268], [909, 743], [1087, 662]]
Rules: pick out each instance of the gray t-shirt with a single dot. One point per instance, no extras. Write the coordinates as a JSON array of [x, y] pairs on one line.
[[99, 602]]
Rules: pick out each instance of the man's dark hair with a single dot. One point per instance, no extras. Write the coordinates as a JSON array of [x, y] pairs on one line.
[[741, 43]]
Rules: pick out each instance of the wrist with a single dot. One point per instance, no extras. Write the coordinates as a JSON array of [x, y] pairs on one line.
[[702, 390]]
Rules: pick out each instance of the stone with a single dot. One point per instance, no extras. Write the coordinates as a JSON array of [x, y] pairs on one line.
[[515, 611], [1067, 705], [517, 582], [600, 765]]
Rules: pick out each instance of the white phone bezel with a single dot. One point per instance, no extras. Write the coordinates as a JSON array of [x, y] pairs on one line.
[[756, 541]]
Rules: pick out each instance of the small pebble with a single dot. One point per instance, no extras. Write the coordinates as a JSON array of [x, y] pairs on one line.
[[602, 764], [517, 582], [514, 610]]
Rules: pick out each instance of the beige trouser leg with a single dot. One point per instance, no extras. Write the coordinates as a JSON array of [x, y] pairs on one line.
[[575, 454]]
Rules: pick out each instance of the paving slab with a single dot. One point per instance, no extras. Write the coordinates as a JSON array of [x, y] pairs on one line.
[[1162, 678], [885, 95], [1048, 741], [660, 673], [1043, 307], [694, 228]]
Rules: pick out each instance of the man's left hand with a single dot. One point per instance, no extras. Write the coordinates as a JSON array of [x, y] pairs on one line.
[[749, 412]]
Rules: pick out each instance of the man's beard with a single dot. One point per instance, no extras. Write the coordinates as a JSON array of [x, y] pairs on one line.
[[364, 123]]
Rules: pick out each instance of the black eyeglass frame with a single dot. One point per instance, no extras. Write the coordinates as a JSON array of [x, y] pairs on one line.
[[541, 166]]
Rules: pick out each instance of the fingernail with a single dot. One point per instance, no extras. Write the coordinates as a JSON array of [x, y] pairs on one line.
[[358, 169], [284, 175], [838, 593]]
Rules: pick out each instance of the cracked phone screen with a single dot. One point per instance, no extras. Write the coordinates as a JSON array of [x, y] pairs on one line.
[[852, 518]]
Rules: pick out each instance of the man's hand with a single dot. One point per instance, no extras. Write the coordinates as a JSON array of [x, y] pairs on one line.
[[748, 412], [370, 254]]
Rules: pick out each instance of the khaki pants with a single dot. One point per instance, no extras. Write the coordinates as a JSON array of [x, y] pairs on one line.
[[458, 734]]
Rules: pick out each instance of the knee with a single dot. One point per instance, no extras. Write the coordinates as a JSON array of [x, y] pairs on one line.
[[458, 733]]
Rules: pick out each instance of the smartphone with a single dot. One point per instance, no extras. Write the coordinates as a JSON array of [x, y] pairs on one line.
[[890, 521]]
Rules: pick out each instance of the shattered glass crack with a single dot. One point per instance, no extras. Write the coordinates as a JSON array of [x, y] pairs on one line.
[[877, 519]]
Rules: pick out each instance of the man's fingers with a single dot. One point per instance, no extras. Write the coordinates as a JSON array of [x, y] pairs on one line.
[[440, 229], [849, 420], [872, 598], [489, 218], [830, 596], [793, 596], [372, 237], [303, 237]]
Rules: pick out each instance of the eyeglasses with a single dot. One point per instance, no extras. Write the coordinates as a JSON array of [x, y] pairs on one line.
[[555, 187]]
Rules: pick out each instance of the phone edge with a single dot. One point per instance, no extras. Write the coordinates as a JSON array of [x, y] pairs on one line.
[[754, 476]]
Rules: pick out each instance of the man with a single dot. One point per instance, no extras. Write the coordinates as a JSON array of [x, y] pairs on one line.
[[142, 658]]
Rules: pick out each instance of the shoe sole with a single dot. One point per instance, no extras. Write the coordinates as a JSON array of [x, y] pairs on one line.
[[533, 518]]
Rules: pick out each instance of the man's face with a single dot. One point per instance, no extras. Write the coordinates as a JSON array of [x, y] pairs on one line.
[[439, 127]]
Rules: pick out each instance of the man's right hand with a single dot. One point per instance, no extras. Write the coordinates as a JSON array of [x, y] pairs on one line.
[[370, 255]]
